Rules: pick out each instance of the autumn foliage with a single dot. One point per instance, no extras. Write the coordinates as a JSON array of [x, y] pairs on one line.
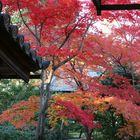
[[87, 101], [65, 33], [78, 106], [22, 114]]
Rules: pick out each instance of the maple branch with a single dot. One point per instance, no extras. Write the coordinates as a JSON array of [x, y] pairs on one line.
[[26, 23], [102, 74], [132, 71], [42, 24], [36, 33], [69, 33], [72, 66], [80, 47], [41, 28], [63, 62], [77, 81], [119, 63], [83, 37], [67, 36], [81, 68], [66, 28]]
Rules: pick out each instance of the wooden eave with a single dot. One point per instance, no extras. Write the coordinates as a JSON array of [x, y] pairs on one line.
[[17, 59], [105, 7]]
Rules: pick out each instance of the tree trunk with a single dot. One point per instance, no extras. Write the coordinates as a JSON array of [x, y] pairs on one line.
[[45, 96], [81, 131], [88, 133], [41, 127]]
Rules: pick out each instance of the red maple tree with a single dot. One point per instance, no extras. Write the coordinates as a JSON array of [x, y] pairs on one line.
[[61, 31]]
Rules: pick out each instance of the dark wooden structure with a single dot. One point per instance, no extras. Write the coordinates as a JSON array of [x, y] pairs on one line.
[[17, 59], [103, 7]]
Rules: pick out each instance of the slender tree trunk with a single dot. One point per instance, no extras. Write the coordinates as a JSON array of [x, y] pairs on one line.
[[61, 130], [88, 133], [41, 119], [45, 96], [41, 127], [81, 131]]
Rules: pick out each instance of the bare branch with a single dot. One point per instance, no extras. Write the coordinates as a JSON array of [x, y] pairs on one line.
[[83, 37], [80, 47], [26, 23], [67, 36], [63, 62]]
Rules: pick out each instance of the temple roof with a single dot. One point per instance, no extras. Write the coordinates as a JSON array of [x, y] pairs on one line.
[[17, 58]]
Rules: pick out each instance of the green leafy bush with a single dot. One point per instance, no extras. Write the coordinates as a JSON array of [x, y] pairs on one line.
[[9, 132]]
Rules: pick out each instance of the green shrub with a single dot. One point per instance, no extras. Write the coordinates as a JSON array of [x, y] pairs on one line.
[[9, 132]]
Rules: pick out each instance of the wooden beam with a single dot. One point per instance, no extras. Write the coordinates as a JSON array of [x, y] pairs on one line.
[[97, 4], [120, 7], [104, 7], [15, 67], [5, 70], [18, 77]]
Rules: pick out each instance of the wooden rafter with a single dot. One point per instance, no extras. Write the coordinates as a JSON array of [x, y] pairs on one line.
[[105, 7]]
